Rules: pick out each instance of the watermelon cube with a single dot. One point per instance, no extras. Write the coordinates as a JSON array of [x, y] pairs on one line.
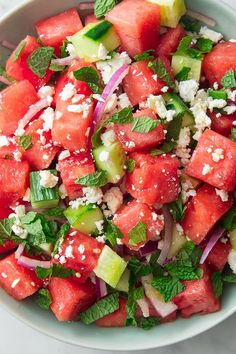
[[214, 161], [70, 298], [137, 23], [222, 125], [135, 141], [15, 102], [218, 256], [7, 247], [169, 41], [116, 318], [206, 206], [17, 281]]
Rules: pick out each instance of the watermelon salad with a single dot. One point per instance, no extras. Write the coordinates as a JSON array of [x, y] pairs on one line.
[[118, 164]]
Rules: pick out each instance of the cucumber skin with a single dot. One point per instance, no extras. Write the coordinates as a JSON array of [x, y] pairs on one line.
[[181, 61], [42, 197], [180, 108]]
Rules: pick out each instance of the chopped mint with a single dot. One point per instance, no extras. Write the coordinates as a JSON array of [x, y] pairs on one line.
[[205, 45], [173, 129], [218, 95], [147, 55], [190, 24], [130, 165], [138, 268], [217, 283], [6, 229], [63, 50], [182, 272], [143, 124], [184, 45], [25, 141], [112, 233], [163, 149], [162, 73], [228, 81], [183, 74], [39, 60], [124, 116], [138, 234], [18, 51], [90, 76], [148, 323], [233, 134], [131, 306], [56, 67], [64, 229], [177, 209], [229, 220], [101, 7], [97, 179], [56, 212], [167, 286], [230, 278], [44, 299], [55, 271]]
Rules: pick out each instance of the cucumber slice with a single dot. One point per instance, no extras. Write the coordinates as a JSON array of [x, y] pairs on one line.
[[171, 11], [114, 160], [40, 196], [87, 41], [232, 237], [47, 248], [177, 243], [110, 267], [180, 107], [181, 61], [84, 218], [123, 284]]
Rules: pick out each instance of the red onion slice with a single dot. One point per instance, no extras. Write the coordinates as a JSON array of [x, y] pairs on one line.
[[5, 81], [101, 288], [63, 61], [143, 304], [30, 263], [168, 220], [217, 234], [8, 45], [149, 247], [112, 85], [86, 6], [19, 251], [203, 18]]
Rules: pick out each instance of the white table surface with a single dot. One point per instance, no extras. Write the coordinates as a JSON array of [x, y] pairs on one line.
[[16, 338]]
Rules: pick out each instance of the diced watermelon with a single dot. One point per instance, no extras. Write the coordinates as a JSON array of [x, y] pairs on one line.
[[134, 141], [130, 215], [70, 298], [218, 155], [141, 81], [154, 179], [8, 151], [15, 102], [42, 153], [5, 211], [116, 318], [7, 247], [222, 125], [53, 30], [198, 297], [206, 206], [19, 69], [137, 23], [90, 19], [79, 252], [75, 166], [17, 281], [14, 180], [218, 256], [169, 41], [220, 60]]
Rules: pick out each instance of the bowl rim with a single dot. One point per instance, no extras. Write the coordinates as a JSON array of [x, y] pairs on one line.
[[182, 336]]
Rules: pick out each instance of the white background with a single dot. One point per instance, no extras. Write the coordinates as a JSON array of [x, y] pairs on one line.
[[16, 338]]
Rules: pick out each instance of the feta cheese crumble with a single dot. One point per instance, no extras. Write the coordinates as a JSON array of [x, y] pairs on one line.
[[108, 138], [206, 169], [47, 179], [188, 90], [208, 33], [3, 141], [222, 194], [218, 155], [68, 92], [108, 67]]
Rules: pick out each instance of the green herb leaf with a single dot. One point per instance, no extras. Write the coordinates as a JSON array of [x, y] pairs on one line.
[[218, 95], [125, 116], [63, 50], [56, 212], [101, 308], [18, 51], [177, 209], [55, 271], [168, 287], [131, 306], [36, 233], [148, 323], [189, 254], [39, 60], [230, 278], [112, 233], [229, 219], [138, 234], [143, 124], [205, 45], [182, 272], [90, 76], [25, 141], [228, 80], [190, 24], [43, 273], [217, 284], [56, 67], [194, 53], [44, 299], [97, 179], [173, 129], [60, 237], [183, 74], [130, 164], [138, 268], [101, 7], [184, 45], [163, 149], [6, 229], [233, 134], [162, 73], [145, 55]]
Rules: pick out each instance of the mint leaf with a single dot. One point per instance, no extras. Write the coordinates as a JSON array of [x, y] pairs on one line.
[[177, 209], [205, 45], [6, 229], [124, 116], [143, 124], [168, 287], [63, 50], [189, 254], [101, 308], [130, 165], [97, 179], [163, 149], [18, 51], [173, 129], [184, 45], [43, 273], [29, 217], [90, 76], [183, 74], [25, 141], [101, 7], [217, 283], [162, 73], [36, 235], [44, 299], [147, 55], [131, 306], [190, 24], [230, 278], [228, 80], [39, 60], [112, 233], [65, 228], [138, 268], [182, 272], [138, 234], [56, 67], [4, 74], [229, 219], [55, 271], [148, 323], [56, 212], [233, 134], [218, 95]]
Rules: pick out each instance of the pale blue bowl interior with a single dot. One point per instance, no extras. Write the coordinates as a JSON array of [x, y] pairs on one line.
[[13, 28]]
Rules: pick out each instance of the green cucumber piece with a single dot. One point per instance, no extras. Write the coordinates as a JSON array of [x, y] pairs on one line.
[[47, 248], [171, 11], [232, 237], [84, 218], [181, 61], [123, 284], [180, 107], [114, 165], [218, 95], [40, 196], [87, 41], [110, 267]]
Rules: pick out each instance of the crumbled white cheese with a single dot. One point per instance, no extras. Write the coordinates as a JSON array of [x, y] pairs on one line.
[[157, 103], [215, 86], [77, 98], [108, 67], [62, 191], [170, 114], [93, 195], [199, 108], [108, 137], [17, 155], [188, 90], [222, 194], [69, 252], [218, 155], [15, 282], [232, 260], [46, 91], [179, 229], [114, 199], [124, 101], [104, 156], [208, 33], [206, 169], [130, 144], [63, 155], [102, 52], [182, 151], [48, 117], [19, 231], [68, 92], [71, 49], [79, 108], [101, 239], [48, 179], [4, 275], [99, 225], [187, 190], [165, 89], [215, 103], [81, 248], [230, 109], [4, 141]]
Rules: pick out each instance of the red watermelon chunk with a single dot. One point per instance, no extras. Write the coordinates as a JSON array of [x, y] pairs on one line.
[[79, 252], [15, 102], [137, 23], [218, 256], [17, 281], [198, 297], [131, 214], [219, 61], [154, 179], [218, 154], [169, 41], [75, 166], [90, 19], [70, 298], [135, 141], [7, 247], [222, 125], [206, 206], [14, 180], [19, 69], [53, 30]]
